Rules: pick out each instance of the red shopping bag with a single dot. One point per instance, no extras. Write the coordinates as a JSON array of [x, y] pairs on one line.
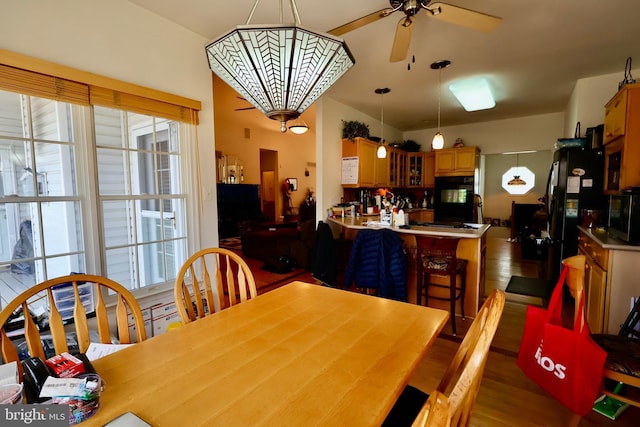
[[567, 363]]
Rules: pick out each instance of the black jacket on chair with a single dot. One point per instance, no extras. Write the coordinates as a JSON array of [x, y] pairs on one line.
[[324, 267], [378, 261]]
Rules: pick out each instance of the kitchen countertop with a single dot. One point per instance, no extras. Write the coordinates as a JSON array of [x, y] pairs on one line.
[[603, 239], [372, 222]]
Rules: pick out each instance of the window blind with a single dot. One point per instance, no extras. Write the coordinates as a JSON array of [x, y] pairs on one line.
[[139, 104], [44, 86], [35, 77]]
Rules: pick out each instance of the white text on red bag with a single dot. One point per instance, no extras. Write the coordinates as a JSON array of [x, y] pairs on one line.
[[548, 364]]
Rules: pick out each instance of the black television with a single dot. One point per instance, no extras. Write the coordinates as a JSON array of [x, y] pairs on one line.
[[237, 203]]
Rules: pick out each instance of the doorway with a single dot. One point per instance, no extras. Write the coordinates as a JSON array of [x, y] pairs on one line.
[[268, 179]]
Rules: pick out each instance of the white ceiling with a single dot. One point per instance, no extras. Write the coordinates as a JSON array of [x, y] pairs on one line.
[[532, 59]]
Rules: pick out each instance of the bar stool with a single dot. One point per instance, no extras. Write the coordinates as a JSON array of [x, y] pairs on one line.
[[437, 256]]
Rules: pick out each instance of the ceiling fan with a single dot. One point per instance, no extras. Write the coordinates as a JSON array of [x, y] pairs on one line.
[[446, 12], [244, 108]]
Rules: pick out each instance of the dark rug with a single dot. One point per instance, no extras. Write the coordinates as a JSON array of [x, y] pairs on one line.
[[529, 286]]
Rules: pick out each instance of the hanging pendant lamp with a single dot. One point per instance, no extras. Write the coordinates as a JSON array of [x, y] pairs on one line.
[[438, 139], [280, 69], [382, 150], [516, 178]]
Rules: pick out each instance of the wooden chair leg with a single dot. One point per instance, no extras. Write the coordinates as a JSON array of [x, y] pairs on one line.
[[574, 421], [452, 302], [463, 289]]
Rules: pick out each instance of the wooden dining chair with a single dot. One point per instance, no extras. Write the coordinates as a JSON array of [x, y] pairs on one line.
[[210, 280], [622, 366], [72, 296], [461, 380], [436, 412]]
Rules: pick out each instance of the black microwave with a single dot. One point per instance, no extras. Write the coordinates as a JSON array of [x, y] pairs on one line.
[[624, 217]]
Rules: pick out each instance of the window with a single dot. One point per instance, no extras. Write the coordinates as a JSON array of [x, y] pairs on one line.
[[518, 180], [141, 196], [40, 210], [73, 174]]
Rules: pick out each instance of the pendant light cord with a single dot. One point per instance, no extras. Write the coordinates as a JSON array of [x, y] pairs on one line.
[[382, 117], [439, 93]]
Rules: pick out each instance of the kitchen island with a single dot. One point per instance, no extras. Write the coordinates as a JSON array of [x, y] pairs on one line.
[[472, 247]]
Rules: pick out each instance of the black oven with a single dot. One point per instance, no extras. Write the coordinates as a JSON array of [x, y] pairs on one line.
[[453, 199]]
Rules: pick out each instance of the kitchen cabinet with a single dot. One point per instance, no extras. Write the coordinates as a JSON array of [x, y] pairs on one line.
[[430, 169], [365, 151], [456, 161], [416, 164], [615, 114], [381, 170], [610, 279], [397, 167], [421, 215], [622, 139]]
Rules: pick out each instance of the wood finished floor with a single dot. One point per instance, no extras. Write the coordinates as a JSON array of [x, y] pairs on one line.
[[507, 397]]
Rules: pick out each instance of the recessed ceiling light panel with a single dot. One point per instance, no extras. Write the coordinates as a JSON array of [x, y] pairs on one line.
[[474, 94]]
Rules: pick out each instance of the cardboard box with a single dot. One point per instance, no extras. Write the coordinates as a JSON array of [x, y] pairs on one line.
[[65, 365], [162, 315], [146, 316]]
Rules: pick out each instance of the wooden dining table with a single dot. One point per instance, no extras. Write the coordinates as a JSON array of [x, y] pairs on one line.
[[300, 355]]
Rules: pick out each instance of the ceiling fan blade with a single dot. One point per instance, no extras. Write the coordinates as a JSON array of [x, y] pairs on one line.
[[246, 108], [401, 41], [357, 23], [464, 17]]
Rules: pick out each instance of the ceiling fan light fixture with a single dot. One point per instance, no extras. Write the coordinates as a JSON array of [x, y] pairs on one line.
[[474, 94], [299, 127], [280, 69]]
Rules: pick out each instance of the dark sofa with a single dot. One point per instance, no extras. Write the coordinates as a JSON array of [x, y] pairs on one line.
[[269, 243]]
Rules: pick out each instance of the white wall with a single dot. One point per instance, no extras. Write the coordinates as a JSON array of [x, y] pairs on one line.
[[538, 132], [120, 40], [329, 116], [588, 100]]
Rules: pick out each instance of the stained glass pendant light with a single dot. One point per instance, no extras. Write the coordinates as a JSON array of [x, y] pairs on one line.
[[438, 139], [516, 178], [281, 69]]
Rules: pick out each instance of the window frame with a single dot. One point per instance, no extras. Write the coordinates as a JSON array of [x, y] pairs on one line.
[[181, 109]]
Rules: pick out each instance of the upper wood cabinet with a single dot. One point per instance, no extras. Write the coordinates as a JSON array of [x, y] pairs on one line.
[[430, 169], [365, 151], [381, 169], [622, 139], [615, 114], [397, 167], [456, 161], [415, 167]]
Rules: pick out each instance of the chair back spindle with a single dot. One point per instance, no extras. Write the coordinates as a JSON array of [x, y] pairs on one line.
[[126, 305], [197, 296]]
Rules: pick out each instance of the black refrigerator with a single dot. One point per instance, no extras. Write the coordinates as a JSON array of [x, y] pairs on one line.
[[574, 184]]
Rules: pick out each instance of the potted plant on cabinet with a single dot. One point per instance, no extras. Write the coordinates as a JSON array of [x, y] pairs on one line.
[[352, 129]]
